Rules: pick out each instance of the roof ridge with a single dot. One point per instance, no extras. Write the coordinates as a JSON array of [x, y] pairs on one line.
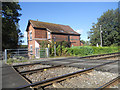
[[48, 22], [57, 28]]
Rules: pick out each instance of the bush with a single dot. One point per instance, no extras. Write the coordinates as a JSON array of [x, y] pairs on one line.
[[81, 50], [102, 50], [60, 48], [89, 50]]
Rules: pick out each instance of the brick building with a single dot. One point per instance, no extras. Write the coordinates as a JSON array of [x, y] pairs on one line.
[[38, 31]]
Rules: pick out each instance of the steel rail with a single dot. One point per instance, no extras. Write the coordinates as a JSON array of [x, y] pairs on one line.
[[108, 84], [108, 57], [62, 77], [42, 69], [15, 66]]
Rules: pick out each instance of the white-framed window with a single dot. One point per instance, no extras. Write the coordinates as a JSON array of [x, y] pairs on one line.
[[30, 47], [31, 35], [61, 31], [48, 35]]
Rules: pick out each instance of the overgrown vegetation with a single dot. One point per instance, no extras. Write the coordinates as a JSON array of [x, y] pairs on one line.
[[90, 50], [60, 48], [11, 60], [63, 49]]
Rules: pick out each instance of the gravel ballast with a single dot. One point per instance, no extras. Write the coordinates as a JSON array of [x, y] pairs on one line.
[[93, 79], [50, 73], [32, 67]]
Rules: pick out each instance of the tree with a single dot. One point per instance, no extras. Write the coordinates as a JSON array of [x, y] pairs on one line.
[[10, 28], [110, 29], [82, 41]]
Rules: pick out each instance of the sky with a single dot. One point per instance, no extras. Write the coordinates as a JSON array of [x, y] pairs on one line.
[[78, 15]]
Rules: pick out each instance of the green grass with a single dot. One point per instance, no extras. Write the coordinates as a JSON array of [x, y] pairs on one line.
[[10, 61]]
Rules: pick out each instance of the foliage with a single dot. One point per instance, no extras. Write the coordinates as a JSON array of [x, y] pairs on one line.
[[60, 48], [43, 44], [10, 61], [82, 41], [51, 49], [23, 46], [10, 29], [110, 29], [81, 50], [63, 43], [102, 50], [90, 50]]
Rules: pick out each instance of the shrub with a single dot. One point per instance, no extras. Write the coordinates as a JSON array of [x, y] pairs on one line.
[[60, 48], [89, 50]]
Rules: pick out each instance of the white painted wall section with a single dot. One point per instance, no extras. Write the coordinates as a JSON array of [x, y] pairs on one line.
[[36, 44]]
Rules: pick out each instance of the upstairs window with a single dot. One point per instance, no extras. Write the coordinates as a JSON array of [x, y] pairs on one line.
[[61, 31], [72, 32], [30, 35], [48, 35]]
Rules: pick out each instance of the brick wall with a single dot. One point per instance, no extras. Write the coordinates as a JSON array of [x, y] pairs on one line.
[[31, 42], [60, 37], [75, 40], [40, 33]]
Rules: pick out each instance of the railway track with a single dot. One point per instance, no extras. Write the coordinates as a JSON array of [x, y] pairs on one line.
[[63, 77], [96, 57], [114, 81], [54, 66]]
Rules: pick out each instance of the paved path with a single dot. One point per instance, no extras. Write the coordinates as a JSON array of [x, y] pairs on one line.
[[10, 78]]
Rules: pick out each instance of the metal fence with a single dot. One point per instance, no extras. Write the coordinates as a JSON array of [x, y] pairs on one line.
[[44, 52], [25, 54], [16, 54]]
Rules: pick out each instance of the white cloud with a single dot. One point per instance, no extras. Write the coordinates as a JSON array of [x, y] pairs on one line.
[[79, 31]]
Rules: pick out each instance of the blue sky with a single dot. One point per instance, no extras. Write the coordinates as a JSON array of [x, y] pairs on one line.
[[78, 15]]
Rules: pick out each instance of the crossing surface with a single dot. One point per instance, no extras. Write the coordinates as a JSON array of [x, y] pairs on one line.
[[10, 78]]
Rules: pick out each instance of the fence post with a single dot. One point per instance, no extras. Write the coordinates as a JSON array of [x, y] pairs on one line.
[[54, 49], [47, 49], [5, 55]]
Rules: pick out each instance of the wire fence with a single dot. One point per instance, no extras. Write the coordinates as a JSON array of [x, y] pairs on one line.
[[26, 54], [16, 53]]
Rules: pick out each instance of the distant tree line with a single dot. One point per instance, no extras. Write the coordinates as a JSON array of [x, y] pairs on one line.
[[110, 29]]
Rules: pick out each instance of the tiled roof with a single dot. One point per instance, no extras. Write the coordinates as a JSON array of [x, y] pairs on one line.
[[56, 28]]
